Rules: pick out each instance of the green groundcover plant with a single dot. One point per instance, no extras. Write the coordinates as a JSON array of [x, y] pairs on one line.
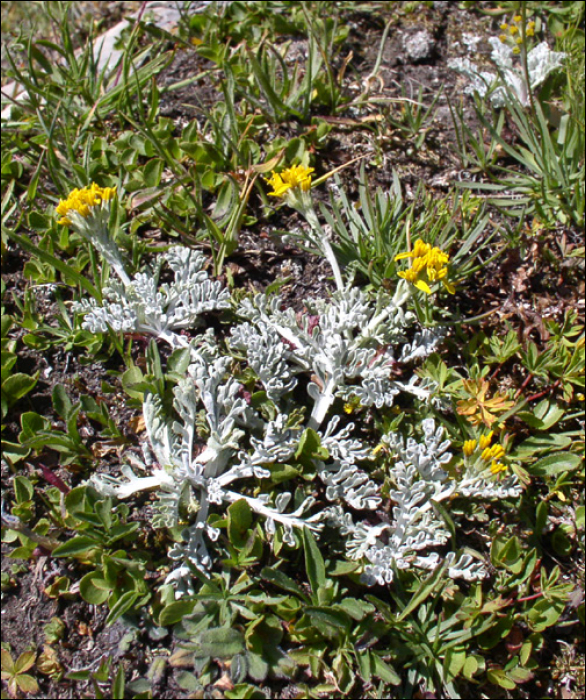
[[324, 497]]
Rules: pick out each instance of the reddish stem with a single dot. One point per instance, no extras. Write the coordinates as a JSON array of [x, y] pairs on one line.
[[527, 380]]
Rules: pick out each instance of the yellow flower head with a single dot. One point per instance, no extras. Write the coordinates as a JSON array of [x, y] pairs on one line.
[[503, 38], [530, 29], [296, 176], [494, 452], [485, 440], [504, 26], [517, 18], [497, 467], [513, 29], [516, 49], [429, 262], [469, 447], [82, 201]]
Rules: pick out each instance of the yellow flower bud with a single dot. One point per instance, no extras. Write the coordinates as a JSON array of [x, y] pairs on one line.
[[485, 440], [497, 467], [469, 447]]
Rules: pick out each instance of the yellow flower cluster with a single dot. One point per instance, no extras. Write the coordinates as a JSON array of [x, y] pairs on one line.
[[512, 32], [83, 200], [487, 453], [429, 263], [296, 176]]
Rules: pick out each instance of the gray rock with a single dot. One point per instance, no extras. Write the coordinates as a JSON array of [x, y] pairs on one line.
[[419, 46]]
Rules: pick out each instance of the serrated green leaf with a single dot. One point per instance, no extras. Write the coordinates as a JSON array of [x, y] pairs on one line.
[[7, 662], [25, 661], [27, 683]]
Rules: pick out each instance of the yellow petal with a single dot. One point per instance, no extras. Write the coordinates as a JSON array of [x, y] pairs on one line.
[[402, 256], [420, 284]]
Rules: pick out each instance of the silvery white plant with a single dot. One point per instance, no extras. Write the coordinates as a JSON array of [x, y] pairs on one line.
[[541, 62], [346, 348], [348, 343], [416, 526], [339, 339], [141, 305]]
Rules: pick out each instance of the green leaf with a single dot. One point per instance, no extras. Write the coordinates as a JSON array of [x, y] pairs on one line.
[[18, 385], [31, 424], [545, 613], [580, 517], [66, 270], [118, 685], [239, 522], [175, 612], [470, 667], [25, 661], [428, 587], [541, 443], [314, 563], [23, 489], [76, 546], [245, 691], [544, 416], [130, 380], [152, 172], [357, 609], [310, 447], [61, 401], [555, 463], [220, 642], [78, 675], [7, 662], [27, 683], [328, 621], [498, 677], [258, 668], [454, 661], [280, 579], [122, 605], [94, 589], [384, 671]]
